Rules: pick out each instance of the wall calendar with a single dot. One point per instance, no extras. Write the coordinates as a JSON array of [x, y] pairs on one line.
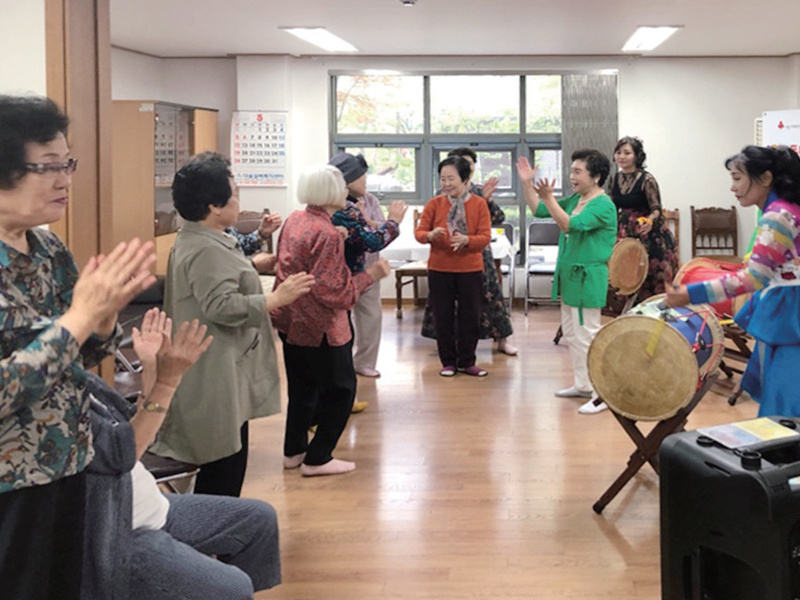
[[258, 148]]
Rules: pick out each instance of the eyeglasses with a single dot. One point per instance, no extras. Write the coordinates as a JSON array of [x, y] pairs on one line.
[[67, 168]]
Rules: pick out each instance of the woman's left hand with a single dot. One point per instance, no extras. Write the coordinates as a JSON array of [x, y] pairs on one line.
[[644, 225], [489, 188], [458, 241], [677, 295], [545, 189], [156, 326], [269, 224], [176, 356]]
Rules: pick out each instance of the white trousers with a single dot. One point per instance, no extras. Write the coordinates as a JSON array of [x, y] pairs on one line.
[[579, 337], [367, 320]]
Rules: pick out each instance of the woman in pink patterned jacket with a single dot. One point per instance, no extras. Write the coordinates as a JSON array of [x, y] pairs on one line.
[[317, 343]]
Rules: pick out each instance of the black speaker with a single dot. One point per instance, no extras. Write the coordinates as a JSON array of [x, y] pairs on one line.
[[730, 519]]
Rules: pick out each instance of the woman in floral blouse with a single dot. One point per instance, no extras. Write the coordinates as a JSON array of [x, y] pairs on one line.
[[639, 215], [317, 342], [768, 178], [53, 325]]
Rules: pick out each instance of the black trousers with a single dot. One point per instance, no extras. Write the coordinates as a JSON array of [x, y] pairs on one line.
[[321, 385], [455, 299], [41, 540], [225, 477]]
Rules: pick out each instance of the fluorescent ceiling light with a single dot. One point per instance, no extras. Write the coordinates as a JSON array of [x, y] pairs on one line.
[[647, 38], [319, 36]]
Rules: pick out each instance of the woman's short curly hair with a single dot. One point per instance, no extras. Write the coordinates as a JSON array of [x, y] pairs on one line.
[[25, 119], [203, 181]]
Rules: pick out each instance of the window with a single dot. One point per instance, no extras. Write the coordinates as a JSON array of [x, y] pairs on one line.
[[388, 104], [543, 104], [461, 104], [405, 124], [391, 169], [491, 163]]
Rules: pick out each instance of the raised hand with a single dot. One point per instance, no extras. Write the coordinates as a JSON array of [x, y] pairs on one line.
[[397, 210], [106, 285], [525, 171], [269, 224], [156, 326], [176, 356], [544, 188], [343, 231], [489, 188]]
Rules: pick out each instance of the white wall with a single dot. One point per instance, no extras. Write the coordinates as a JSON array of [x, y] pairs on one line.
[[204, 83], [23, 69]]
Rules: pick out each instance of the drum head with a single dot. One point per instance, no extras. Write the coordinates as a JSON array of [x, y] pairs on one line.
[[695, 263], [643, 368], [627, 267]]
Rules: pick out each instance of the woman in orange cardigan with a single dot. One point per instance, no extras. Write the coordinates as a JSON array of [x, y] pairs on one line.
[[456, 225]]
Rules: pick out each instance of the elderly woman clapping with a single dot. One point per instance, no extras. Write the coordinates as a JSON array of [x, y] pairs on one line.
[[317, 341], [53, 324], [209, 279]]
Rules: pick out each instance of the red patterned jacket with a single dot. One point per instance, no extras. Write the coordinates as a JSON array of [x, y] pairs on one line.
[[309, 242]]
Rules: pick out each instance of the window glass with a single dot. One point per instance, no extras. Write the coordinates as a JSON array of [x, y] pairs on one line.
[[474, 104], [390, 169], [543, 103], [491, 163], [379, 104]]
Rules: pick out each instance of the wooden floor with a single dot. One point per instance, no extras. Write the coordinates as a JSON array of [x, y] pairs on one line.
[[469, 488]]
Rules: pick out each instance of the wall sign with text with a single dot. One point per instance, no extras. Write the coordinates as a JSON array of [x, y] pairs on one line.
[[258, 148]]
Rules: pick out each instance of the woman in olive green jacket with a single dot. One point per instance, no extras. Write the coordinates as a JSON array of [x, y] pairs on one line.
[[588, 223], [209, 279]]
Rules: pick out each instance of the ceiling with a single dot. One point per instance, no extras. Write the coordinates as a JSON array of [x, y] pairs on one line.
[[202, 28]]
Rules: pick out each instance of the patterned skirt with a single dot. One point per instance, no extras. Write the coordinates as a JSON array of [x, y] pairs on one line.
[[660, 244], [495, 320]]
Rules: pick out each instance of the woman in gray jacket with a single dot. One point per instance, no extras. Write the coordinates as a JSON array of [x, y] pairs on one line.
[[209, 279]]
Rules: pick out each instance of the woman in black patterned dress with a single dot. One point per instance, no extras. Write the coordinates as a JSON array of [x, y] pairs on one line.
[[495, 321], [638, 201]]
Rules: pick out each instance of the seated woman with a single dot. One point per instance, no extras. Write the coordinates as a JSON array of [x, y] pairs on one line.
[[456, 225], [54, 324], [588, 223], [317, 341], [144, 545], [208, 278], [768, 178]]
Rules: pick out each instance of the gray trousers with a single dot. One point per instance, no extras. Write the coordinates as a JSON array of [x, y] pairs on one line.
[[367, 322], [176, 562]]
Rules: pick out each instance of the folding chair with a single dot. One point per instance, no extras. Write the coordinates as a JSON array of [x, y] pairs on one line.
[[540, 257]]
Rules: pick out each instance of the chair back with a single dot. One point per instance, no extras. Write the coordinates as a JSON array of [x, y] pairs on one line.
[[543, 233], [509, 229], [714, 232], [673, 221]]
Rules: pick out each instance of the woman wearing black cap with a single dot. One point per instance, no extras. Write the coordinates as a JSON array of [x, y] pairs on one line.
[[362, 240]]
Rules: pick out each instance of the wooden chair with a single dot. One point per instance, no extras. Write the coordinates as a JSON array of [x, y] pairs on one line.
[[672, 219], [409, 273], [714, 232]]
